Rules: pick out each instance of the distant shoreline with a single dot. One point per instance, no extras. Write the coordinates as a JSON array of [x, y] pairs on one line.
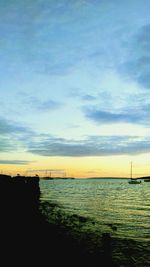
[[82, 178], [91, 178], [72, 178]]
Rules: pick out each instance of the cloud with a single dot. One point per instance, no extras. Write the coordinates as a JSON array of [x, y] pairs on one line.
[[7, 127], [12, 135], [88, 97], [77, 92], [100, 116], [15, 162], [17, 137], [46, 105], [91, 146], [40, 105], [137, 66], [135, 110], [6, 145]]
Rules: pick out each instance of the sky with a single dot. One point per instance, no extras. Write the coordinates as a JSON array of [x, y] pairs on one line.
[[75, 87]]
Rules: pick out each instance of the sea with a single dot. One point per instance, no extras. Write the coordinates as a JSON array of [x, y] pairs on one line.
[[109, 205]]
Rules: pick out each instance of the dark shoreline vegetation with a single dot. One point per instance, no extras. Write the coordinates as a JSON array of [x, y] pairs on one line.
[[40, 231]]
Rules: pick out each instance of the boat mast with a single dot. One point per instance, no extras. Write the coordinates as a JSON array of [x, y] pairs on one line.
[[131, 171]]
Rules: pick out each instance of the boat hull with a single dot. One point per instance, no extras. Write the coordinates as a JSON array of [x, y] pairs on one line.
[[134, 182]]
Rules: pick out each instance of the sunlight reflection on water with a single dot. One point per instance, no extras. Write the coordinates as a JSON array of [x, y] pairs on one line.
[[110, 203]]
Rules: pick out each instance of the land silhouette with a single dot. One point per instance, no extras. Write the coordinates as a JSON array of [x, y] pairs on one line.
[[27, 236]]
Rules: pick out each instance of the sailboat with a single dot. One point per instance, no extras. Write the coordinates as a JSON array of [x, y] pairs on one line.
[[47, 177], [133, 180]]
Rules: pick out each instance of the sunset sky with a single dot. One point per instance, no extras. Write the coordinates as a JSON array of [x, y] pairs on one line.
[[75, 87]]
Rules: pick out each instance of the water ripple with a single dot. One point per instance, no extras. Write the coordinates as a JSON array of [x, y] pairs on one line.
[[107, 202]]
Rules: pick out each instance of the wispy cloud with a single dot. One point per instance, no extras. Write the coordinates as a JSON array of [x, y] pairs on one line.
[[135, 111], [12, 134], [47, 105], [88, 97], [91, 146], [15, 162], [6, 144], [137, 64], [35, 103], [15, 137], [100, 116], [7, 127], [82, 95]]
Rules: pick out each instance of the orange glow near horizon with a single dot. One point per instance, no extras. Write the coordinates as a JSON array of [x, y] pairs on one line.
[[114, 166]]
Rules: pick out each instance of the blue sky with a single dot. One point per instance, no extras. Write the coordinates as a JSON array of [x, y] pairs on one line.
[[75, 79]]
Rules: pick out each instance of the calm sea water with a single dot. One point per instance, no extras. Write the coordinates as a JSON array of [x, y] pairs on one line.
[[112, 205]]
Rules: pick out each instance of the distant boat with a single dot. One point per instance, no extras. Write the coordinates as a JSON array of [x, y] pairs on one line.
[[133, 180], [47, 177], [147, 180]]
